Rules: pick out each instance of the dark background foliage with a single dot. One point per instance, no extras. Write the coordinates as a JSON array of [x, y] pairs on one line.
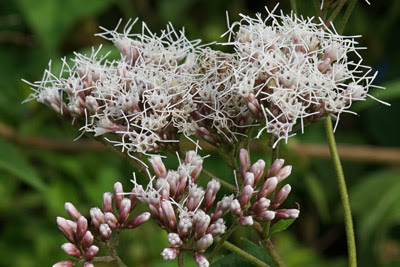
[[40, 169]]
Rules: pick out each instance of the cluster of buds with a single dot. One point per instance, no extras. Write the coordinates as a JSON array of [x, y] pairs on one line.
[[286, 72], [295, 71], [260, 203], [103, 221], [184, 209]]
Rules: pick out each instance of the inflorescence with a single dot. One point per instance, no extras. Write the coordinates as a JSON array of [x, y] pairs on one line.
[[286, 72]]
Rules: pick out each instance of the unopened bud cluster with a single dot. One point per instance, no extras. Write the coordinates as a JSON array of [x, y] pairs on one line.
[[286, 71], [257, 199], [103, 221], [185, 209]]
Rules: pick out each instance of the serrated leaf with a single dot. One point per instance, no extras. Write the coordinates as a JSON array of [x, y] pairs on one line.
[[12, 161], [281, 226]]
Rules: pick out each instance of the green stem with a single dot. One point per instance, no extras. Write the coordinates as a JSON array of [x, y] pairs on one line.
[[270, 248], [250, 258], [336, 11], [221, 241], [346, 16], [223, 183], [181, 257], [351, 244], [293, 6]]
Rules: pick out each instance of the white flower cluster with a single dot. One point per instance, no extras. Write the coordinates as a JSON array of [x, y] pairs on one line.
[[286, 72], [293, 71]]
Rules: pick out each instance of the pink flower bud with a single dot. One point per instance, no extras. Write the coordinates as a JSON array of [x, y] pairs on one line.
[[267, 188], [136, 192], [211, 192], [111, 220], [217, 228], [235, 208], [207, 135], [124, 210], [105, 232], [223, 207], [163, 187], [264, 216], [118, 191], [244, 160], [281, 196], [87, 264], [185, 225], [66, 227], [73, 213], [91, 252], [201, 260], [107, 202], [174, 240], [246, 221], [169, 213], [81, 228], [275, 167], [258, 170], [65, 263], [170, 253], [287, 213], [87, 240], [97, 217], [248, 179], [138, 220], [195, 196], [158, 166], [259, 206], [203, 243], [284, 173], [247, 193], [201, 221], [71, 250]]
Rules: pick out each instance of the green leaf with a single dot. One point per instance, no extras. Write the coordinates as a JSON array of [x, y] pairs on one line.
[[52, 19], [12, 161], [280, 226], [258, 252]]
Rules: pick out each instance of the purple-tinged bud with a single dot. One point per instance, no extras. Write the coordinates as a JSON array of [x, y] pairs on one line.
[[211, 192], [203, 243], [118, 194], [235, 208], [181, 185], [281, 196], [169, 215], [107, 202], [136, 192], [244, 160], [196, 162], [284, 173], [259, 206], [287, 213], [258, 170], [66, 228], [264, 216], [124, 210], [247, 193], [275, 167], [81, 228], [201, 260], [174, 240], [201, 221], [223, 207], [246, 221], [105, 232], [195, 196], [87, 264], [87, 240], [173, 181], [71, 250], [185, 225], [111, 220], [207, 135], [73, 213], [169, 253], [158, 166], [138, 220], [248, 179], [217, 228], [163, 187], [97, 217], [65, 263], [91, 252], [267, 188]]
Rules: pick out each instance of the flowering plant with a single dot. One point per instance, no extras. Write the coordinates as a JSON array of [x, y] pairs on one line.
[[285, 72]]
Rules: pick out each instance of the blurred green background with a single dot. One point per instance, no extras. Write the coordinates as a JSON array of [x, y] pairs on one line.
[[40, 167]]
